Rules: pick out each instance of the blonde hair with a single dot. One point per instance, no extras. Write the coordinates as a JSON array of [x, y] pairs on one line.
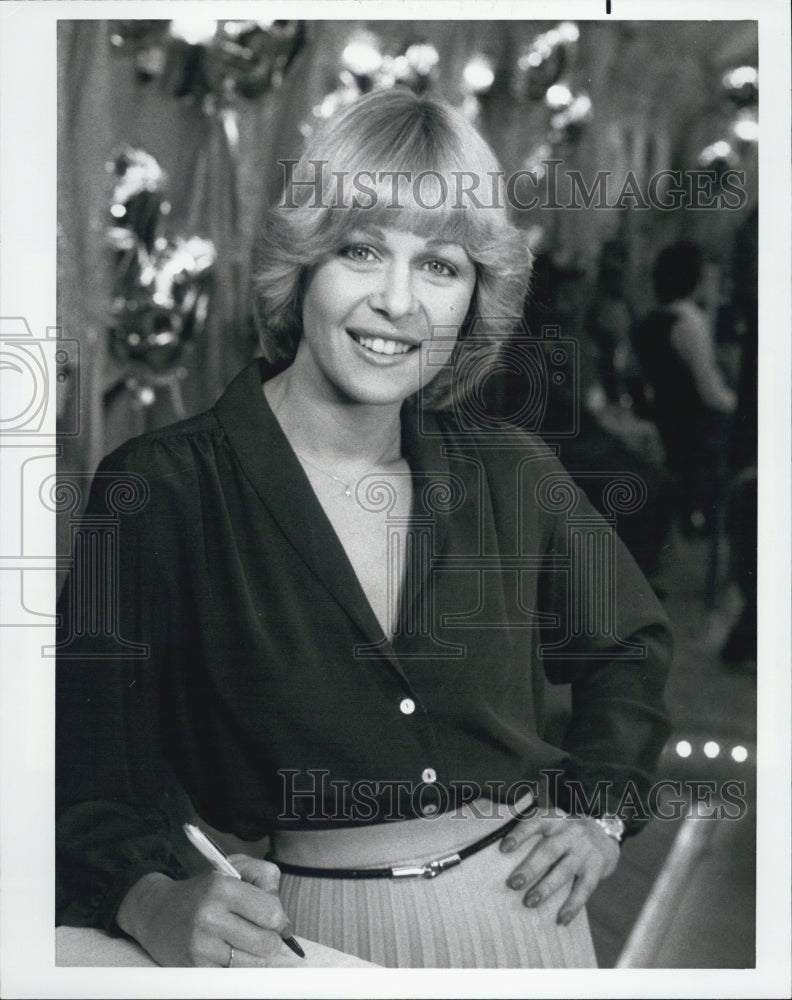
[[394, 160]]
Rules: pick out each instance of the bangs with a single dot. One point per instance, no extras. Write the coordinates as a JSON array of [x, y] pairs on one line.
[[394, 161], [404, 164], [430, 202], [475, 232]]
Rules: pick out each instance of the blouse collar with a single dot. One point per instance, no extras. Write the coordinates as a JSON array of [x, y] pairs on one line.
[[276, 475]]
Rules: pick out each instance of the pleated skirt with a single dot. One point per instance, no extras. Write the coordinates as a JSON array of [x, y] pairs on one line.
[[466, 917]]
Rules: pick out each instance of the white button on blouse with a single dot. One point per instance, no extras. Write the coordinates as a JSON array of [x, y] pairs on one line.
[[429, 775], [407, 706]]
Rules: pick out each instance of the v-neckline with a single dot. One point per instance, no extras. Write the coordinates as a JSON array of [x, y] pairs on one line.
[[261, 446]]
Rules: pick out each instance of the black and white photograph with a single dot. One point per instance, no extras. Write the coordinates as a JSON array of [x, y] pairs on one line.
[[395, 482]]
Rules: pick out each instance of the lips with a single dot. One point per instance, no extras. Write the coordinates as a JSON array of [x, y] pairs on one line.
[[380, 344]]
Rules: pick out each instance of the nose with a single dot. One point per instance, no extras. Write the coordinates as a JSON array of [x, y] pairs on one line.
[[394, 295]]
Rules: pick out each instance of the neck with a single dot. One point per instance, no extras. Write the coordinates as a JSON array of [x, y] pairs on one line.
[[321, 424]]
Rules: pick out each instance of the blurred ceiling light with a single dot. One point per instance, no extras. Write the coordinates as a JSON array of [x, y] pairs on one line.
[[118, 211], [746, 129], [235, 29], [568, 31], [711, 749], [479, 75], [720, 150], [529, 59], [362, 57], [423, 58], [146, 395], [580, 107], [741, 76], [558, 96], [739, 754], [194, 29], [684, 749]]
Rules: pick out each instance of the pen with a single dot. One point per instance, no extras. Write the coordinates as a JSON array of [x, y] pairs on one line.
[[218, 860]]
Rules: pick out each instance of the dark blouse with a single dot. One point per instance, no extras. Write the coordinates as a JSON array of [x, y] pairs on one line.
[[233, 650]]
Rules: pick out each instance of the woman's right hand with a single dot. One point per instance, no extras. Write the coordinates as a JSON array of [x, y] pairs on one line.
[[196, 921]]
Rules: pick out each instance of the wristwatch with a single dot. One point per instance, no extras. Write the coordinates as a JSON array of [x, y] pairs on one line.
[[612, 826]]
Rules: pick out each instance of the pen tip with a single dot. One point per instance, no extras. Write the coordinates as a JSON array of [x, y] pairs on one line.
[[292, 943]]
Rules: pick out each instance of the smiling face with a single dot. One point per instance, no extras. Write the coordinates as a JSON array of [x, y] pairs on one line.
[[370, 306]]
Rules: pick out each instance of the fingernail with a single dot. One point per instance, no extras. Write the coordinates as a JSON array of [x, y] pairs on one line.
[[565, 918], [532, 899], [517, 881], [508, 844]]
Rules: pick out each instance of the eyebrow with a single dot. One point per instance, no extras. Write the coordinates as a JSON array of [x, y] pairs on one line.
[[378, 233]]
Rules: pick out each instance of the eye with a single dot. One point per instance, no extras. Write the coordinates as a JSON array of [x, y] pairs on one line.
[[361, 253], [441, 268]]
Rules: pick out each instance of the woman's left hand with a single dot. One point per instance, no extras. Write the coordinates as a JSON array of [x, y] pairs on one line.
[[566, 853]]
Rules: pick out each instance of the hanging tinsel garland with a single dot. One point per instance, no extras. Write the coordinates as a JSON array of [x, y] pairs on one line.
[[162, 287]]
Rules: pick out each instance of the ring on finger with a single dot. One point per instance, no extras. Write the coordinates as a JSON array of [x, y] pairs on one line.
[[230, 957]]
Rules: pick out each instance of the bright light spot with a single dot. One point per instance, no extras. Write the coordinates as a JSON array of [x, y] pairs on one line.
[[581, 106], [684, 749], [711, 749], [720, 150], [741, 76], [193, 29], [533, 59], [422, 58], [479, 75], [739, 754], [746, 129], [361, 58], [118, 211], [568, 31], [558, 96]]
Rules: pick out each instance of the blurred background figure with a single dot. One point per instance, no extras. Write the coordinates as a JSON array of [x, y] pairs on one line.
[[686, 394], [610, 438], [740, 646]]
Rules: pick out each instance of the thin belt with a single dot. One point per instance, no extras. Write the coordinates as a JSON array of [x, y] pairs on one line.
[[429, 869]]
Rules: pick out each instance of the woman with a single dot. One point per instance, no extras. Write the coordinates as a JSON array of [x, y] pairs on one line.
[[691, 404], [342, 587]]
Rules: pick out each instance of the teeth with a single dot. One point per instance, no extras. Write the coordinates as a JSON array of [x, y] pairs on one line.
[[381, 346]]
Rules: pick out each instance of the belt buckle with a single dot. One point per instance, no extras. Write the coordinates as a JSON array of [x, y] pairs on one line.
[[430, 870]]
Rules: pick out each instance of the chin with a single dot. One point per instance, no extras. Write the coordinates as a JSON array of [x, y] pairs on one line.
[[374, 394]]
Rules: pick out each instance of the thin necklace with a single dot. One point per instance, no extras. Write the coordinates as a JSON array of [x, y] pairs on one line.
[[342, 482], [347, 486]]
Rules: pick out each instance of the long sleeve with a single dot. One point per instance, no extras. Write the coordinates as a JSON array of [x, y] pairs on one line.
[[111, 774], [615, 654]]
